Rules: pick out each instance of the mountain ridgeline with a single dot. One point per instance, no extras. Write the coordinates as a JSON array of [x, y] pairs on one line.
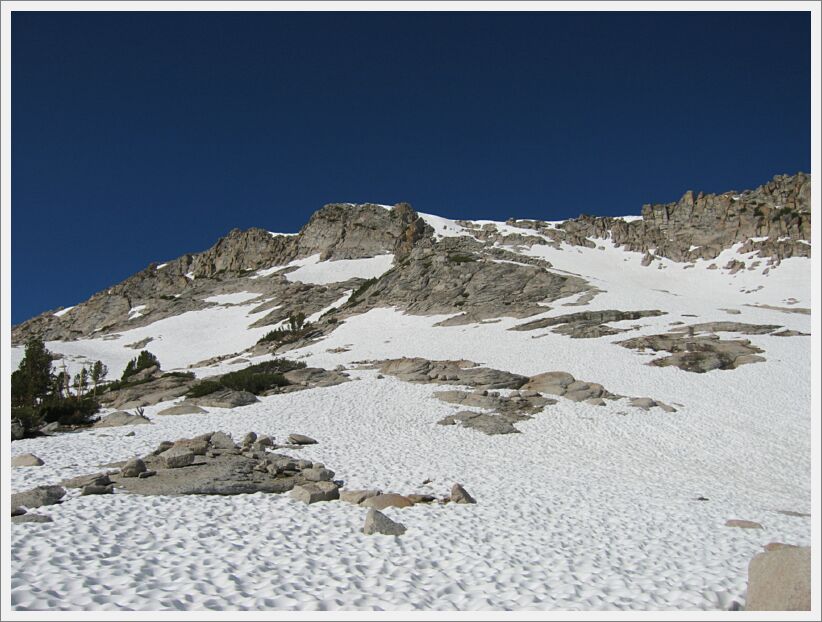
[[466, 271]]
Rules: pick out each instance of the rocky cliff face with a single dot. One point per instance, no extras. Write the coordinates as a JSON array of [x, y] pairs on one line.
[[774, 219], [471, 275]]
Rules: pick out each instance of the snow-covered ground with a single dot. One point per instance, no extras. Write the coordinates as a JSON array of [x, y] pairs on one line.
[[588, 508]]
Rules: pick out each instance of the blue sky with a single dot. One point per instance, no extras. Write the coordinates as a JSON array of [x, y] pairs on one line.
[[138, 137]]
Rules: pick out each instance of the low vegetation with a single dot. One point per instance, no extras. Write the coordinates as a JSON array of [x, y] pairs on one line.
[[294, 330], [256, 379]]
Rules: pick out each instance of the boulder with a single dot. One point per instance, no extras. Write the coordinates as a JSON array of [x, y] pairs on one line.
[[182, 409], [780, 580], [377, 522], [97, 479], [553, 382], [460, 495], [18, 430], [388, 500], [37, 497], [357, 496], [133, 468], [301, 439], [177, 457], [26, 460], [119, 418], [316, 491], [318, 474], [221, 440]]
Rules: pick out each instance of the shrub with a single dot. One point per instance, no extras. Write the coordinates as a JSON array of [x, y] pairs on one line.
[[143, 361], [204, 387], [71, 411], [460, 258], [354, 299], [255, 379], [297, 329]]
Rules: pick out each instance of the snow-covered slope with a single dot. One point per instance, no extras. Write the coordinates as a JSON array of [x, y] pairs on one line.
[[588, 507]]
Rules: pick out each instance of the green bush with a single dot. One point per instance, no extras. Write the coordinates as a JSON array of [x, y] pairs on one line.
[[255, 379], [71, 411], [204, 387], [354, 299], [143, 361], [460, 258]]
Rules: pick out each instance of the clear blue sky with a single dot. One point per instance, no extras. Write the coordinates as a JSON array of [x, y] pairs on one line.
[[138, 137]]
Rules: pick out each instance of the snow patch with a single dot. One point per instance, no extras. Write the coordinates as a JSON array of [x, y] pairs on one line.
[[322, 273]]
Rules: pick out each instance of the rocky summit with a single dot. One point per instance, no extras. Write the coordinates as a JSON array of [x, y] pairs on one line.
[[476, 275], [403, 410]]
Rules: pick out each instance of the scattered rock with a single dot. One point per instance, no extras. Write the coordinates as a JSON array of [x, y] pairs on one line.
[[460, 495], [37, 497], [743, 524], [300, 439], [780, 580], [26, 460], [417, 498], [377, 522]]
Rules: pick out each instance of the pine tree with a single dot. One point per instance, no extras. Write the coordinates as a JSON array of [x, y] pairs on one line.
[[33, 380], [98, 373]]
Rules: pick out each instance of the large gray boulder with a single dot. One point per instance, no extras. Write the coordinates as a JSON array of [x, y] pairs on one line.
[[226, 398], [177, 457], [377, 522], [26, 460], [37, 497], [780, 580], [182, 409], [119, 418]]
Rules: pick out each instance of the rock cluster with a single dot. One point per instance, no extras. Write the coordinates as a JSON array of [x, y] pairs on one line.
[[214, 464]]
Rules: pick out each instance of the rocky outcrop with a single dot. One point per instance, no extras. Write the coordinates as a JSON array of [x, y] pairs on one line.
[[346, 231], [587, 324], [700, 226], [698, 354], [450, 372], [213, 464]]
